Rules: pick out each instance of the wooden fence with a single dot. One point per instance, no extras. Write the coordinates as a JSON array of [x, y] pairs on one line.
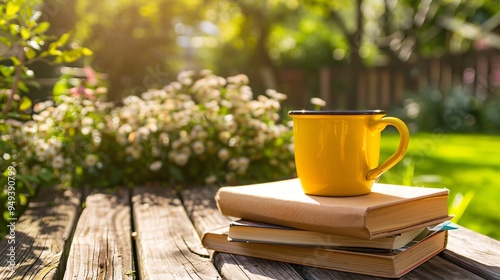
[[383, 87]]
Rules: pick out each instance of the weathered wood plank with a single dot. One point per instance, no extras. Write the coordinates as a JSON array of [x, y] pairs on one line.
[[435, 268], [242, 267], [475, 252], [40, 236], [167, 244], [201, 207], [101, 247]]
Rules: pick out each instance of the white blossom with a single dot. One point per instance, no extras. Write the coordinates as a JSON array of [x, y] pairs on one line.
[[155, 166], [318, 102], [87, 121], [240, 79], [243, 163], [224, 136], [66, 177], [210, 180], [91, 160], [134, 151], [223, 154], [181, 159], [85, 130], [233, 164], [164, 139], [198, 147], [58, 162]]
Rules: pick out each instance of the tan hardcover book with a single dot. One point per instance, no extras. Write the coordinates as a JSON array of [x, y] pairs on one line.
[[256, 232], [392, 264], [388, 210]]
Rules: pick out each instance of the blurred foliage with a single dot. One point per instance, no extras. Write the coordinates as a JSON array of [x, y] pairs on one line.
[[457, 110], [466, 164], [140, 44], [21, 188], [172, 135], [136, 42], [23, 41], [406, 177], [80, 82]]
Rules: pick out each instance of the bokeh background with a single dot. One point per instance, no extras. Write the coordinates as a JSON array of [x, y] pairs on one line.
[[433, 63]]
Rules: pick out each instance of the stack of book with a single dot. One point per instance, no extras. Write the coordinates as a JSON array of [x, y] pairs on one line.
[[386, 233]]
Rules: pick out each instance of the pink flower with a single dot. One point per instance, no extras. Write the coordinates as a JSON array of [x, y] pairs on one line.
[[91, 75], [82, 91]]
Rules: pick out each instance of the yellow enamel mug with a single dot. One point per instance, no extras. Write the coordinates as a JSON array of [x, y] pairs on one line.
[[337, 152]]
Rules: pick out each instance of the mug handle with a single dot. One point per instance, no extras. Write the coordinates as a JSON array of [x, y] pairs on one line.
[[404, 138]]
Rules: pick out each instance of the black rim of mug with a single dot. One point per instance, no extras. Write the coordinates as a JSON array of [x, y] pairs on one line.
[[337, 112]]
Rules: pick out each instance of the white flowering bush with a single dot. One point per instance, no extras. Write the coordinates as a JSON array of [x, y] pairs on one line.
[[63, 141], [199, 129], [203, 129], [54, 147]]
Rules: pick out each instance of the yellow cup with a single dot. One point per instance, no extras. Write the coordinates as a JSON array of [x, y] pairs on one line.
[[337, 152]]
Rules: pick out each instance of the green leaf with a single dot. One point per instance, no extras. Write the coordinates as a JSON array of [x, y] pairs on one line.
[[29, 179], [30, 53], [58, 60], [87, 52], [7, 71], [6, 215], [55, 52], [176, 173], [62, 40], [5, 41], [116, 175], [25, 33], [460, 203], [25, 104], [14, 29], [71, 55], [79, 170], [32, 83], [60, 88], [23, 200], [22, 86], [27, 183], [6, 172], [41, 28], [15, 61], [11, 9], [46, 175]]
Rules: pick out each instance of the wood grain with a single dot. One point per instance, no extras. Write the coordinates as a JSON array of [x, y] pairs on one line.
[[102, 247], [167, 244], [435, 268], [202, 209], [41, 234], [168, 227], [475, 252], [243, 267]]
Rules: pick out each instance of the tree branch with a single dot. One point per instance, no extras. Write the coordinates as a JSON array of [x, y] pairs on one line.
[[15, 82]]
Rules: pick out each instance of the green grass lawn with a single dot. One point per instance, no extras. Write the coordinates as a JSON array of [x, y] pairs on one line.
[[468, 165]]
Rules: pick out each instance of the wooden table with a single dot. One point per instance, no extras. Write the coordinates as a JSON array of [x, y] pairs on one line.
[[154, 233]]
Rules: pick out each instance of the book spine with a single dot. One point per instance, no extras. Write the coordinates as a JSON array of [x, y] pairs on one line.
[[313, 217]]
